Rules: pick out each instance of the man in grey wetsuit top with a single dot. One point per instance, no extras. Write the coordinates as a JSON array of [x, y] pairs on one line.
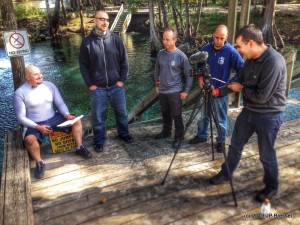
[[34, 107]]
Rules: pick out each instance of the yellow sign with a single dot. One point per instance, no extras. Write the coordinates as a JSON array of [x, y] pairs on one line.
[[61, 142]]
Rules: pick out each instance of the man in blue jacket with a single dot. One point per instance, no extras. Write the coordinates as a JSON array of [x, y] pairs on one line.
[[104, 67], [222, 60]]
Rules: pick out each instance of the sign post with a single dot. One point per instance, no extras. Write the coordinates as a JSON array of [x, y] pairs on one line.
[[16, 43]]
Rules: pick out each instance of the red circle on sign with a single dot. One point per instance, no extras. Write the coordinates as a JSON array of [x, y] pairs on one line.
[[16, 40]]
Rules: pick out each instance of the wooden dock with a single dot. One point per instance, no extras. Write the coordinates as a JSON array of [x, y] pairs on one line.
[[129, 177]]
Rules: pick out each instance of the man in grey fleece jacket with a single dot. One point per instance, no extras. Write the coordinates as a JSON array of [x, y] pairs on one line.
[[171, 64]]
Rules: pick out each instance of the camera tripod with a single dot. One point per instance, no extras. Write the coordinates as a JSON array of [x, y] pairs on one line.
[[205, 100]]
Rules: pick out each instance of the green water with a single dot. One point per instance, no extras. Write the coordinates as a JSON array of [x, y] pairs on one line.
[[59, 64]]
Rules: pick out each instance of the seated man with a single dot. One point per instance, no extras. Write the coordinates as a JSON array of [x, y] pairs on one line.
[[34, 106]]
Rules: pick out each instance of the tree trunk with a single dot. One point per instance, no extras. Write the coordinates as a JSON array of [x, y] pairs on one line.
[[154, 40], [159, 18], [245, 12], [74, 4], [164, 13], [188, 32], [198, 16], [55, 18], [278, 38], [175, 17], [49, 18], [10, 23], [268, 22], [64, 12], [182, 28], [81, 18], [98, 4]]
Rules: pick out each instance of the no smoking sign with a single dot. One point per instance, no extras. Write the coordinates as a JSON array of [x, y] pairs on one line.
[[16, 43]]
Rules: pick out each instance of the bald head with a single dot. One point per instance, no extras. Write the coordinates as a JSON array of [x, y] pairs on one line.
[[33, 75], [222, 29], [220, 36]]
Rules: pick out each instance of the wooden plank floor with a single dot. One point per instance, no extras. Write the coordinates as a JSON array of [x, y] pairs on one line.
[[129, 176]]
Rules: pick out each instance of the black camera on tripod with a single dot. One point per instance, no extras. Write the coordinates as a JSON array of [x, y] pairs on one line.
[[202, 70]]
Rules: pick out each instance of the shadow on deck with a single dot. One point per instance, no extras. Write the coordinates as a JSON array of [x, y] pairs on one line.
[[129, 176]]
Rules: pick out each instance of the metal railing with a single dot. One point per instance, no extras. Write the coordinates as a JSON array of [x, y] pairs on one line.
[[117, 18], [126, 23]]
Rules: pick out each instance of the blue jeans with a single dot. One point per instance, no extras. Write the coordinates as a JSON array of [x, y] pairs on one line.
[[266, 126], [99, 100], [221, 110]]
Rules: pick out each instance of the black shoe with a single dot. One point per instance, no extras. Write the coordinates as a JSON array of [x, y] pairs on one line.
[[127, 138], [99, 148], [176, 144], [82, 151], [162, 135], [197, 140], [218, 179], [220, 147], [265, 193], [39, 170]]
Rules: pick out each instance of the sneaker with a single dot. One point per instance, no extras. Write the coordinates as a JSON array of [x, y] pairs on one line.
[[99, 148], [127, 138], [162, 135], [82, 151], [39, 170], [176, 144], [197, 140], [220, 147], [218, 179], [265, 193]]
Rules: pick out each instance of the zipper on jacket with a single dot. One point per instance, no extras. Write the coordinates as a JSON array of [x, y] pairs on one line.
[[104, 62]]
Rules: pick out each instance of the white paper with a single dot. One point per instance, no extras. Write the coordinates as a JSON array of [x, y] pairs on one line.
[[70, 122]]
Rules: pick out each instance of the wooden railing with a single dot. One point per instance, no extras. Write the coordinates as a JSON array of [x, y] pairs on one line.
[[117, 18], [290, 59]]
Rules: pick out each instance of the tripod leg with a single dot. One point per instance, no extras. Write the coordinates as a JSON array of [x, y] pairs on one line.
[[213, 114]]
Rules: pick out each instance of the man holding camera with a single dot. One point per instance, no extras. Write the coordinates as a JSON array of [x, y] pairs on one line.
[[222, 60], [263, 84], [171, 64]]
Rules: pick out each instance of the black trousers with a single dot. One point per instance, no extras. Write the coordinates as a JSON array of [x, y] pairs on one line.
[[171, 109]]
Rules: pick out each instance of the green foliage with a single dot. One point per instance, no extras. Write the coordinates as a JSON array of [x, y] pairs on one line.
[[23, 11], [135, 4], [209, 22]]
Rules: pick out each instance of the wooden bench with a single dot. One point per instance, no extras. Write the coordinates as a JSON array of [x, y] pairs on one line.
[[15, 192]]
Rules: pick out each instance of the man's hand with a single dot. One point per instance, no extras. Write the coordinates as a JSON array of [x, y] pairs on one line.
[[70, 117], [235, 86], [120, 84], [213, 90], [44, 129], [157, 90], [201, 82], [93, 87], [183, 95]]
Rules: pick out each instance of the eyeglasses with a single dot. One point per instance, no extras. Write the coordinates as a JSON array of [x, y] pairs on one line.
[[103, 19], [239, 46]]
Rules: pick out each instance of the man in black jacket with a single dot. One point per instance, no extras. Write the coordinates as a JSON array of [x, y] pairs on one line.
[[104, 67], [262, 82]]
